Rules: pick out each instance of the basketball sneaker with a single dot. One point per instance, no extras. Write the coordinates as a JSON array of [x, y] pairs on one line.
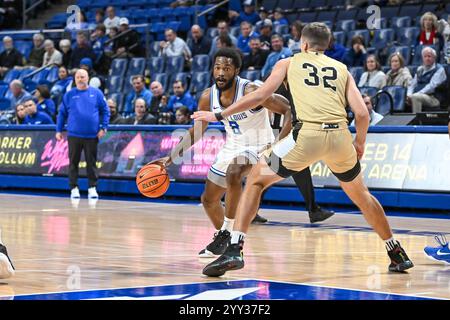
[[259, 219], [217, 246], [440, 253], [319, 214], [75, 193], [399, 259], [6, 266], [231, 259], [92, 193]]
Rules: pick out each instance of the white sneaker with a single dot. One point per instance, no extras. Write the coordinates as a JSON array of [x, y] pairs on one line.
[[75, 193], [92, 193]]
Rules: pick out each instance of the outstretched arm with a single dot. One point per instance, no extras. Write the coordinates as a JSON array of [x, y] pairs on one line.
[[253, 99]]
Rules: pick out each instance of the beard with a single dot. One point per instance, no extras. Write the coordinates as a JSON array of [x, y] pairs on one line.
[[227, 85]]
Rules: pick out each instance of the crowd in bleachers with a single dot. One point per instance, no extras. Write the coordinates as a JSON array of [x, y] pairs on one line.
[[408, 55]]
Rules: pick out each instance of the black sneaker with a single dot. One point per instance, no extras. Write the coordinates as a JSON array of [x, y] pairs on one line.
[[6, 266], [259, 219], [217, 246], [319, 214], [399, 259], [231, 259]]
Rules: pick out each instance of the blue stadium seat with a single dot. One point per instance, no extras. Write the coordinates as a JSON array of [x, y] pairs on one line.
[[52, 75], [251, 75], [405, 51], [326, 16], [199, 81], [398, 94], [118, 67], [401, 22], [3, 89], [389, 12], [382, 38], [285, 4], [339, 37], [382, 104], [346, 14], [174, 65], [29, 85], [356, 72], [10, 76], [410, 10], [301, 4], [345, 25], [328, 23], [427, 8], [154, 49], [212, 33], [307, 16], [156, 65], [114, 84], [200, 62], [318, 4], [407, 36], [136, 66], [161, 78], [118, 97], [5, 104], [38, 77], [291, 17], [364, 33], [413, 70], [24, 47], [269, 4], [25, 72], [370, 91], [417, 58], [235, 31], [184, 77], [337, 4]]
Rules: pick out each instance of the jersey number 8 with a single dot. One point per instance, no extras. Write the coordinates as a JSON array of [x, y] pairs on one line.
[[235, 126]]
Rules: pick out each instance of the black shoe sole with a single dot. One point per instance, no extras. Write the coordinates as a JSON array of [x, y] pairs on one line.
[[217, 271], [322, 218], [401, 267]]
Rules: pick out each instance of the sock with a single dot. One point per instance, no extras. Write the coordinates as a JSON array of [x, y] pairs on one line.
[[237, 236], [227, 224], [390, 243]]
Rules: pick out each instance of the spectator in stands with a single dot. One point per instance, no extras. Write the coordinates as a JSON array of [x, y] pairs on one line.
[[18, 93], [100, 17], [263, 15], [257, 57], [51, 55], [182, 116], [12, 10], [373, 76], [356, 56], [34, 116], [278, 52], [37, 53], [139, 91], [180, 98], [247, 33], [399, 75], [199, 43], [266, 34], [374, 117], [10, 57], [248, 14], [66, 50], [279, 19], [224, 41], [44, 103], [79, 24], [174, 46], [98, 39], [335, 50], [141, 116], [63, 84], [95, 81], [296, 33], [428, 33], [128, 45], [159, 100], [19, 115], [114, 116], [82, 50], [223, 28], [108, 49], [112, 20], [429, 76], [87, 115], [445, 27]]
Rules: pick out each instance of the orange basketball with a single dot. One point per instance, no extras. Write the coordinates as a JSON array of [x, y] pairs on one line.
[[152, 180]]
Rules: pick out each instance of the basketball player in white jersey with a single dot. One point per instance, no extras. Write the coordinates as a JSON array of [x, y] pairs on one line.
[[247, 135], [6, 266]]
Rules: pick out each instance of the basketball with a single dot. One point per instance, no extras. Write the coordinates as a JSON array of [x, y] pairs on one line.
[[152, 180]]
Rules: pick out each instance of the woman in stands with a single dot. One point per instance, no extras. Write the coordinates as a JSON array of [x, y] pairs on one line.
[[399, 75], [45, 104], [64, 83], [429, 34], [373, 76], [296, 32], [19, 115]]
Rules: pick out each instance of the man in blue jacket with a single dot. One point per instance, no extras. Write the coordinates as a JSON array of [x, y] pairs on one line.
[[87, 115], [278, 52], [180, 98], [33, 115]]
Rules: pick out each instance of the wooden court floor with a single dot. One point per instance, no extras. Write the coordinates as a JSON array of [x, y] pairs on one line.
[[60, 247]]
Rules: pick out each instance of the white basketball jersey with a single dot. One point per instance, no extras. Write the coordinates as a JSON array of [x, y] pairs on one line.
[[248, 128]]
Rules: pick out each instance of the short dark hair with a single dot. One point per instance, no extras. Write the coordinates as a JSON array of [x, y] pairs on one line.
[[226, 40], [230, 53], [44, 91], [357, 39], [377, 62], [138, 76], [101, 27], [178, 81], [184, 110], [317, 34]]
